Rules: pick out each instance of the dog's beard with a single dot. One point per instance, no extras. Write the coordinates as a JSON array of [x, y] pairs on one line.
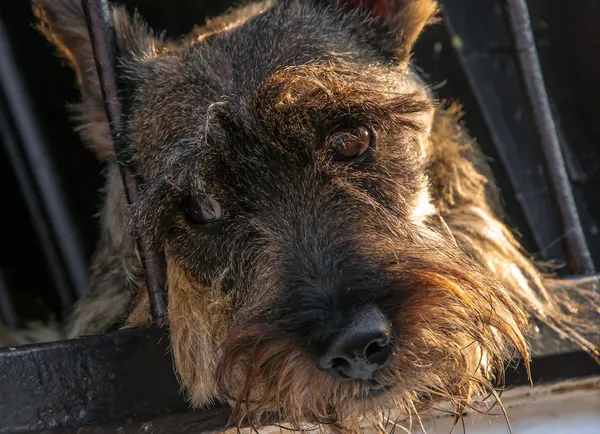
[[455, 329]]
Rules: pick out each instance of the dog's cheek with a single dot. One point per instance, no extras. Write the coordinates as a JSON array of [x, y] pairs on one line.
[[198, 323]]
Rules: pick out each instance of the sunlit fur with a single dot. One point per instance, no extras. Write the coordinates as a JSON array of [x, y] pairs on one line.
[[415, 229]]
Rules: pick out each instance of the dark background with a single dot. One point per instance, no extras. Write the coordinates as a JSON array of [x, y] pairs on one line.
[[568, 40]]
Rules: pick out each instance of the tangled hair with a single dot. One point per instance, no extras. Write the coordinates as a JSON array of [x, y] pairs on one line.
[[468, 202], [242, 111], [457, 329], [468, 294]]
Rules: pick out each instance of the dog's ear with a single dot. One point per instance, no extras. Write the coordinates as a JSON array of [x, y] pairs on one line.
[[63, 23], [402, 21]]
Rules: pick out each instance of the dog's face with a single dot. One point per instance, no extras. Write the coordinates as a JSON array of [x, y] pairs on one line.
[[283, 163]]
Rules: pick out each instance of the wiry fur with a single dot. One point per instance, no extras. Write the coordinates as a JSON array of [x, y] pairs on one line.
[[240, 110], [198, 319]]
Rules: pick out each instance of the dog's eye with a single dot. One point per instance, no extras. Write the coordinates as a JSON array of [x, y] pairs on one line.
[[204, 209], [350, 143]]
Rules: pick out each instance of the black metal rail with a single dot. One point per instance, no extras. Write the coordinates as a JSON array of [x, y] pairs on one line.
[[7, 312], [579, 255], [102, 35]]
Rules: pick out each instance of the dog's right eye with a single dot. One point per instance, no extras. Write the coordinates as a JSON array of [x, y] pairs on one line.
[[350, 143], [203, 210]]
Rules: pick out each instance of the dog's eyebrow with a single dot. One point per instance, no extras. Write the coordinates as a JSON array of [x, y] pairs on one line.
[[164, 188], [327, 89]]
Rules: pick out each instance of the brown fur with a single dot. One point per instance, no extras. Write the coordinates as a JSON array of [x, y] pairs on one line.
[[198, 321], [239, 111]]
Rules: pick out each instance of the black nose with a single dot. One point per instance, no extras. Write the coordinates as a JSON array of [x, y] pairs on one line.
[[361, 349]]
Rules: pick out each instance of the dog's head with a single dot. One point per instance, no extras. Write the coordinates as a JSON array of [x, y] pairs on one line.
[[283, 157]]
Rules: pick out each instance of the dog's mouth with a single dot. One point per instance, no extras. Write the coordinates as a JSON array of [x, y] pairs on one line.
[[374, 390]]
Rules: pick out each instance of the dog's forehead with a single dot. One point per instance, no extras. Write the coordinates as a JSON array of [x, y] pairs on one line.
[[174, 92], [241, 56]]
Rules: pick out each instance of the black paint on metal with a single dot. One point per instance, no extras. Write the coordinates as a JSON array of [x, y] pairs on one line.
[[104, 44], [97, 379], [212, 420], [578, 254], [553, 368]]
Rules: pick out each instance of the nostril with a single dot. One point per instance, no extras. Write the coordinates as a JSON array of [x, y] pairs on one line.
[[374, 348], [333, 362], [378, 351], [338, 362], [337, 365]]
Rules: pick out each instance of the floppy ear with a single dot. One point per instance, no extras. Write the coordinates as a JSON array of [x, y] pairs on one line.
[[403, 20], [63, 23]]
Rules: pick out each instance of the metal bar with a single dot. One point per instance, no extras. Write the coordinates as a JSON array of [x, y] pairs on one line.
[[103, 378], [579, 255], [59, 229], [105, 49], [8, 316], [479, 63], [35, 206]]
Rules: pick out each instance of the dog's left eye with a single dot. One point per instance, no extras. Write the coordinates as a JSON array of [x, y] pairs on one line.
[[204, 210], [350, 143]]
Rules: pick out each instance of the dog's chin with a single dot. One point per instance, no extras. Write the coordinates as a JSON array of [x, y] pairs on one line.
[[372, 390], [376, 391]]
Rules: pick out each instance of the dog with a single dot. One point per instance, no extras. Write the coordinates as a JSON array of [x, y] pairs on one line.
[[334, 241]]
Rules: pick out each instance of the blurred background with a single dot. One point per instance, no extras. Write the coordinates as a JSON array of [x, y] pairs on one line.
[[50, 183]]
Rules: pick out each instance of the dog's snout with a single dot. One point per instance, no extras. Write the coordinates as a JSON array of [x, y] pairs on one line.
[[361, 349]]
